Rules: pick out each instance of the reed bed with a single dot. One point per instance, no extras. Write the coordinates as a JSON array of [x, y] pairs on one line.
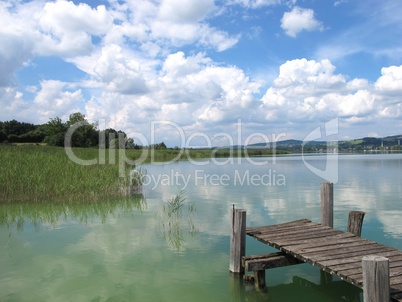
[[42, 174]]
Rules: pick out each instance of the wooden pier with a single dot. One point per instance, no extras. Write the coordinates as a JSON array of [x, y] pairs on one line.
[[367, 264]]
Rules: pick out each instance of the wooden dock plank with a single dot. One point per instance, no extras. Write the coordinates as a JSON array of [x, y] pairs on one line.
[[336, 252]]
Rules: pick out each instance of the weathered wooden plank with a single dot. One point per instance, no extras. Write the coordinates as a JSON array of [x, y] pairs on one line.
[[333, 245], [340, 240], [292, 231], [349, 268], [355, 254], [286, 226], [330, 263], [295, 245], [301, 235], [279, 225], [269, 261], [357, 269], [395, 274], [351, 251]]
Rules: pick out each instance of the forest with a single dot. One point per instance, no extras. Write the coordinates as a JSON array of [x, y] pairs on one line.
[[53, 133]]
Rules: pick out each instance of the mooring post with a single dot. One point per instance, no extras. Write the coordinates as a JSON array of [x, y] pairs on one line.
[[355, 222], [327, 218], [259, 277], [327, 204], [375, 278], [237, 240]]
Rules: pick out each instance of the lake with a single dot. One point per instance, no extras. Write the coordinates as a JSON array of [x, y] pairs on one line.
[[160, 249]]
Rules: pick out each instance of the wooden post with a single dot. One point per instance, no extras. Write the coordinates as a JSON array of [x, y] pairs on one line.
[[375, 279], [327, 219], [355, 222], [259, 277], [327, 204], [237, 241]]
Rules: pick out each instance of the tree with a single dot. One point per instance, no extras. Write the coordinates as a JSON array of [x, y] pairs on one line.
[[106, 136], [3, 136], [86, 134], [17, 128], [55, 132]]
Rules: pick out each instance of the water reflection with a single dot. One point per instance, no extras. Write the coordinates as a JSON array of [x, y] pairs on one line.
[[171, 221], [299, 289], [54, 213], [82, 258]]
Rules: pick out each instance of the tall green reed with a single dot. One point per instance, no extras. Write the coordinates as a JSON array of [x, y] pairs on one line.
[[42, 174]]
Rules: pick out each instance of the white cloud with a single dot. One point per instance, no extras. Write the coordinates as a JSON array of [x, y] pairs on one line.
[[12, 104], [54, 99], [390, 81], [67, 28], [259, 3], [119, 72], [309, 91], [185, 11], [299, 19], [17, 40], [64, 17]]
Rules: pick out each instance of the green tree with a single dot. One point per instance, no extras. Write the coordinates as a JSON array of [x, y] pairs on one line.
[[3, 136], [85, 134], [55, 132], [106, 136], [17, 128]]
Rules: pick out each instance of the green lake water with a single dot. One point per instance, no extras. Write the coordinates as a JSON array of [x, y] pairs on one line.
[[135, 250]]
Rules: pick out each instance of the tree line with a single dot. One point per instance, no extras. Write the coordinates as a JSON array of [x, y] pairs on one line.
[[53, 133]]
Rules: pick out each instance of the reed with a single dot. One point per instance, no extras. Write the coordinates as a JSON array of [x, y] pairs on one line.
[[171, 221], [46, 174]]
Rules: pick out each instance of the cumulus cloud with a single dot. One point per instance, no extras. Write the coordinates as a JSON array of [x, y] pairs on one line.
[[390, 81], [55, 98], [310, 90], [185, 10], [260, 3], [299, 19], [17, 40], [189, 90], [12, 103], [118, 72], [67, 28]]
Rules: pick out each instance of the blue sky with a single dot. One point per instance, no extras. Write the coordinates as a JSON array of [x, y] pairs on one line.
[[183, 71]]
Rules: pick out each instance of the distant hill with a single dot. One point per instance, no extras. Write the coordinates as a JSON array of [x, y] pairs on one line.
[[369, 143], [366, 143]]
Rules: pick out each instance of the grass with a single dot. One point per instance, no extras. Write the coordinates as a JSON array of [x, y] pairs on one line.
[[46, 174], [171, 221]]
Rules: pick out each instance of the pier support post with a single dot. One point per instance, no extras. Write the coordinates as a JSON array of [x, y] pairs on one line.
[[375, 279], [355, 222], [327, 218], [259, 277], [237, 241], [327, 204]]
